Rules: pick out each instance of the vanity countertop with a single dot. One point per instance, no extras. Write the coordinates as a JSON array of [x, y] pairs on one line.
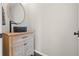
[[18, 33]]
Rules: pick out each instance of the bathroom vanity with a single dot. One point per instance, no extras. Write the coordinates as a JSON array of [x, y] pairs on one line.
[[18, 44]]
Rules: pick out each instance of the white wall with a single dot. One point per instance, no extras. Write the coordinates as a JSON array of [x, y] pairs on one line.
[[26, 21], [35, 17], [47, 20]]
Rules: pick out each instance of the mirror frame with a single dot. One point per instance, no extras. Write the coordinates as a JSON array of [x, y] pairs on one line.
[[8, 9]]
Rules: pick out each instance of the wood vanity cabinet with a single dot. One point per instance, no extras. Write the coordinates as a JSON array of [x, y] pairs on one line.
[[18, 44]]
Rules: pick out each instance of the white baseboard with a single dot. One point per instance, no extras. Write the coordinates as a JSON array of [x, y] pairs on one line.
[[40, 53]]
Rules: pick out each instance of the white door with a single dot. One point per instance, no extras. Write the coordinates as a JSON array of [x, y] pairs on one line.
[[58, 22], [59, 26], [78, 27], [0, 30]]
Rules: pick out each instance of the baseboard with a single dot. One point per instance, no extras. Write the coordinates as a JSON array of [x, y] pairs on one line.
[[39, 53]]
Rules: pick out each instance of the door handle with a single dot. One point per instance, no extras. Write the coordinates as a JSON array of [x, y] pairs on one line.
[[76, 33]]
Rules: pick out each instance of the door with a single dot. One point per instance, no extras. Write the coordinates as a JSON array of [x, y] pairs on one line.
[[0, 30], [78, 27], [59, 24], [56, 27]]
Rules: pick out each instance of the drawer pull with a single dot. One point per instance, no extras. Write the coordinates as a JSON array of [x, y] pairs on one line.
[[25, 43]]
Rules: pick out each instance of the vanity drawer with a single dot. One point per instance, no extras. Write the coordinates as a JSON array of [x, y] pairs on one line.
[[21, 38]]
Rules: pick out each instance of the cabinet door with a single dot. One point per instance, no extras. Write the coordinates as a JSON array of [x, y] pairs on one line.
[[18, 50], [29, 46]]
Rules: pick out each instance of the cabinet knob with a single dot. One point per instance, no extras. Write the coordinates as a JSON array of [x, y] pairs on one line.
[[25, 43]]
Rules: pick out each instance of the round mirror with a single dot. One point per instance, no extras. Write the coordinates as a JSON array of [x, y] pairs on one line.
[[16, 12]]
